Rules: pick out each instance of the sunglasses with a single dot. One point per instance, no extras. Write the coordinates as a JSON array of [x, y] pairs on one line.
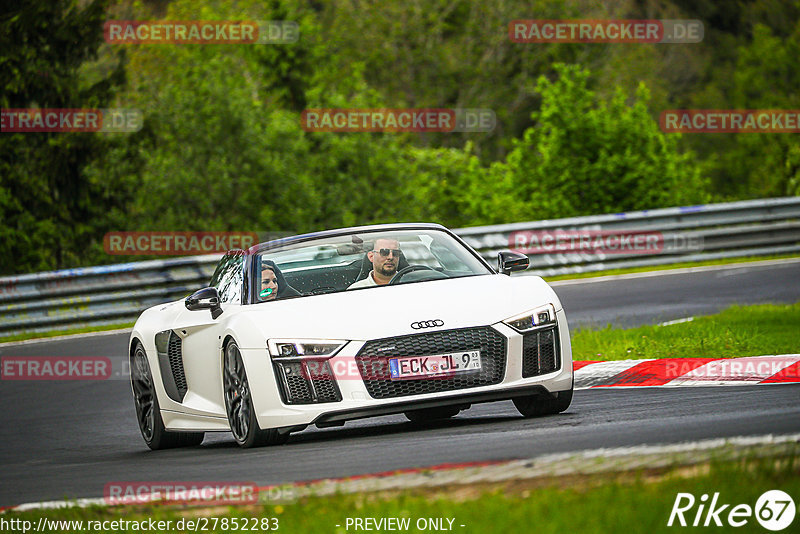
[[385, 252]]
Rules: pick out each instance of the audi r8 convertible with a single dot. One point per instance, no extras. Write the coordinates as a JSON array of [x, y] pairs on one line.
[[322, 328]]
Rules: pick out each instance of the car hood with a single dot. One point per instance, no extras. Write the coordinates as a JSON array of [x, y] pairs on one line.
[[389, 311]]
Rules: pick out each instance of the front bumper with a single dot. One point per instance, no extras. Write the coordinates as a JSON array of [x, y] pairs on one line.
[[358, 397], [464, 399]]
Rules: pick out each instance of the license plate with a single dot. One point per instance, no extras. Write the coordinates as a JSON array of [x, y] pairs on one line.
[[435, 365]]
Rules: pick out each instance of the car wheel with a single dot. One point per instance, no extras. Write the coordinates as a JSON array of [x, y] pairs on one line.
[[239, 404], [536, 405], [148, 413], [432, 414]]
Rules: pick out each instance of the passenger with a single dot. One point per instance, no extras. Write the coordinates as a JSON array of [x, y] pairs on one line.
[[385, 257], [269, 282], [273, 284]]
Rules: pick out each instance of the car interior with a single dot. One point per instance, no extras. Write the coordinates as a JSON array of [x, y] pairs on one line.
[[333, 278], [328, 271]]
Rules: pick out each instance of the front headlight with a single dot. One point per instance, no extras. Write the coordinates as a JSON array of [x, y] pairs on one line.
[[301, 349], [541, 316]]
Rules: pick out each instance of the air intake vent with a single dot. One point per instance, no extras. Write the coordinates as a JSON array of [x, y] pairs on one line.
[[176, 363], [170, 362], [307, 382], [540, 353]]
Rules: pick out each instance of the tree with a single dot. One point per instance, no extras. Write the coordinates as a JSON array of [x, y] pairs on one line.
[[48, 206], [588, 156], [766, 77]]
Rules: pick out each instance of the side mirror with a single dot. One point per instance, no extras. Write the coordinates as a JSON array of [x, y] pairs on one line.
[[508, 261], [204, 299]]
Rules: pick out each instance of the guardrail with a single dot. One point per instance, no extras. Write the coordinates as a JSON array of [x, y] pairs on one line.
[[113, 294]]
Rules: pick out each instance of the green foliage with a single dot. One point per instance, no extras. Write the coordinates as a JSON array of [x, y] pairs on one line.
[[223, 149], [587, 156], [48, 206], [750, 49], [230, 152], [770, 162], [443, 183]]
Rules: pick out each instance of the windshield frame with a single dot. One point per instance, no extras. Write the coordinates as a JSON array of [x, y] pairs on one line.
[[250, 291]]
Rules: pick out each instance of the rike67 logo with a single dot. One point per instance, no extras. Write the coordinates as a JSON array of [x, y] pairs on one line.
[[774, 510]]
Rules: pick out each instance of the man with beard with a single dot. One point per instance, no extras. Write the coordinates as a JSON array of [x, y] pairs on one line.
[[385, 255]]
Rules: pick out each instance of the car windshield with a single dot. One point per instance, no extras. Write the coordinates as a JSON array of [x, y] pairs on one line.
[[334, 264]]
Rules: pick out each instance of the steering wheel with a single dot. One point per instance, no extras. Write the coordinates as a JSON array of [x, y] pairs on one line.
[[410, 269]]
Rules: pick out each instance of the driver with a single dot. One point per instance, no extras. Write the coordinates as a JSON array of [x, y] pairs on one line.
[[385, 256]]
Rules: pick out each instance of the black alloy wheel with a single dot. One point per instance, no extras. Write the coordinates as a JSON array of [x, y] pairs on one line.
[[239, 404], [148, 413]]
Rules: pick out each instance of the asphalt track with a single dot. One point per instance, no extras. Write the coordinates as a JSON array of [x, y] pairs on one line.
[[69, 439], [649, 298]]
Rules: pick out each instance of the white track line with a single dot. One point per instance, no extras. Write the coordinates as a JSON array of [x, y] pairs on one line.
[[666, 272], [677, 321], [69, 336]]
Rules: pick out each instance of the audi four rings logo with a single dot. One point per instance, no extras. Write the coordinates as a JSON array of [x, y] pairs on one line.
[[427, 324]]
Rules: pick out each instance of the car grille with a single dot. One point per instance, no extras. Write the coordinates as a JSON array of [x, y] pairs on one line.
[[374, 366], [540, 352], [175, 356], [309, 382]]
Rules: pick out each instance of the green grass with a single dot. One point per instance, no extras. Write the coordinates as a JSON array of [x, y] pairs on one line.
[[737, 331], [726, 261], [83, 330], [617, 502]]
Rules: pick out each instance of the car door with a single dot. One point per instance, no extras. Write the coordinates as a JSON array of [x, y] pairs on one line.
[[194, 346]]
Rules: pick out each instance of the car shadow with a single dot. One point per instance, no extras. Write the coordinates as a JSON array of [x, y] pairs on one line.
[[317, 435], [322, 435], [357, 429]]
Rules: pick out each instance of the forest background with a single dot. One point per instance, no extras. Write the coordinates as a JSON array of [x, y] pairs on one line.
[[222, 147]]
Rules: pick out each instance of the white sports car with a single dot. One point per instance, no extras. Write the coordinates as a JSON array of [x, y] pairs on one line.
[[331, 326]]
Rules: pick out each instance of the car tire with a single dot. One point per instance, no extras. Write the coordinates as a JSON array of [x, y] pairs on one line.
[[432, 414], [539, 405], [148, 412], [239, 404]]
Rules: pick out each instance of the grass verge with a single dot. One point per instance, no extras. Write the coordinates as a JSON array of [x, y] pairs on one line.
[[726, 261], [639, 501], [736, 331]]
